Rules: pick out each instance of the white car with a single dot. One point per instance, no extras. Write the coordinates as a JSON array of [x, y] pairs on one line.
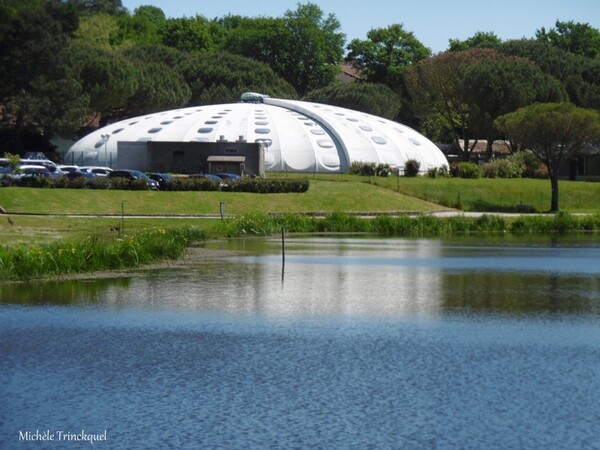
[[67, 168], [98, 170]]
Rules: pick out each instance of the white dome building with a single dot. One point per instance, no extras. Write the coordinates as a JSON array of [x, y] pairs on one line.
[[297, 136]]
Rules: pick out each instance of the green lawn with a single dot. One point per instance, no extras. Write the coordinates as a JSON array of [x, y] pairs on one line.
[[327, 193], [486, 195], [322, 196]]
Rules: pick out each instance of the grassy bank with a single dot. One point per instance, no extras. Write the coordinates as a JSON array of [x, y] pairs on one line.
[[327, 194], [323, 195], [485, 194], [136, 248], [424, 225], [40, 246], [101, 252], [94, 254]]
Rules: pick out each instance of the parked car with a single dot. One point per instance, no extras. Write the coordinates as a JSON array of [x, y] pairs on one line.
[[88, 176], [160, 178], [27, 175], [66, 168], [132, 175], [98, 170], [208, 176], [228, 176]]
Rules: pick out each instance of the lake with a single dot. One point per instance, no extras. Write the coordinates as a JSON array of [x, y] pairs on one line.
[[350, 342]]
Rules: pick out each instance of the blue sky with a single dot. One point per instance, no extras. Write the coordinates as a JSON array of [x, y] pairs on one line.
[[433, 22]]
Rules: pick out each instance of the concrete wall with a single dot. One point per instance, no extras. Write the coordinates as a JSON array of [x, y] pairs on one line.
[[132, 155], [192, 157]]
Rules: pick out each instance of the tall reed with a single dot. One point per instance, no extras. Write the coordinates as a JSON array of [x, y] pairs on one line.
[[95, 253]]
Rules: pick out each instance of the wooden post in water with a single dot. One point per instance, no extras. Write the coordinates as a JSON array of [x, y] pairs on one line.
[[282, 252]]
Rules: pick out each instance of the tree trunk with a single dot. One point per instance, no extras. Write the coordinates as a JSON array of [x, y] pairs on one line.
[[554, 185], [489, 150]]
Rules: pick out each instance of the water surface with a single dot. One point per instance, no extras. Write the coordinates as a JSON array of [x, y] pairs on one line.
[[352, 343]]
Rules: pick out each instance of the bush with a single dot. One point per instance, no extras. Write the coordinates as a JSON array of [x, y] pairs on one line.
[[363, 168], [411, 168], [502, 168], [465, 170], [269, 186], [383, 170], [530, 164], [434, 172], [100, 183]]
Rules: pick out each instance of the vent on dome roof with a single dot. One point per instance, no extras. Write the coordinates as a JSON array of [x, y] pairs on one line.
[[252, 97]]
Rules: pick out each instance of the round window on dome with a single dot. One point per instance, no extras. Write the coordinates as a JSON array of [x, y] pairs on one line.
[[205, 130], [325, 143], [262, 130]]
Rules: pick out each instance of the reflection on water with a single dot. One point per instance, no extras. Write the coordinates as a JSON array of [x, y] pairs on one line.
[[334, 276], [354, 343]]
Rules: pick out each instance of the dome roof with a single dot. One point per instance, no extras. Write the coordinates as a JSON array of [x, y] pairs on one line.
[[297, 136]]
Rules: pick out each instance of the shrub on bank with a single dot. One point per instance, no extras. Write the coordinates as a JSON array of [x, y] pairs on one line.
[[369, 169], [411, 168], [269, 186], [464, 170]]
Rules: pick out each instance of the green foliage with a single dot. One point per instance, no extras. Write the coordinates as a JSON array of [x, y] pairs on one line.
[[502, 168], [465, 170], [530, 164], [577, 38], [386, 54], [362, 168], [478, 40], [269, 185], [553, 132], [366, 169], [385, 225], [275, 42], [221, 77], [435, 172], [188, 34], [579, 76], [411, 168], [376, 99], [95, 254]]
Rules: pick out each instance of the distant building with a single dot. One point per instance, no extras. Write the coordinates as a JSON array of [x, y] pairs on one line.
[[262, 133]]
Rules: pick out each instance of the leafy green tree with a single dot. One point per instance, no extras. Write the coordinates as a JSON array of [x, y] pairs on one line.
[[578, 38], [478, 40], [190, 35], [553, 132], [107, 77], [222, 77], [276, 42], [159, 83], [99, 30], [580, 76], [376, 99], [386, 54], [437, 90], [314, 63], [145, 26], [39, 92], [493, 87], [264, 39], [112, 7]]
